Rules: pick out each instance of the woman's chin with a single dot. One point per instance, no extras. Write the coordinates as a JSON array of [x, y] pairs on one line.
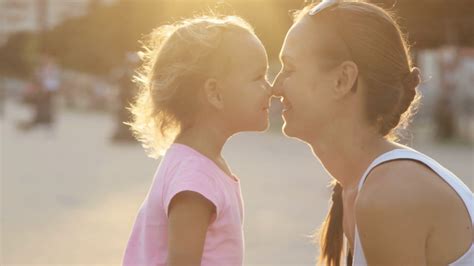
[[291, 129], [287, 129]]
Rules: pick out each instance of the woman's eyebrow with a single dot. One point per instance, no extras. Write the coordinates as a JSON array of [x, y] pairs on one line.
[[286, 60]]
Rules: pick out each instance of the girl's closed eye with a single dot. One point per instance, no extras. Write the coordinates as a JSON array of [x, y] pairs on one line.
[[261, 77]]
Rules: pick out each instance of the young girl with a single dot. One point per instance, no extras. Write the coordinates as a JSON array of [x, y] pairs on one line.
[[204, 80], [347, 83]]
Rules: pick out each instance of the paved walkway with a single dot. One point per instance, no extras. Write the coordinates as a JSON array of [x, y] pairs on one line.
[[71, 198]]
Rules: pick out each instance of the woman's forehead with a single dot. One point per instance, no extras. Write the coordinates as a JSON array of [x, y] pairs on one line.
[[306, 39], [298, 43]]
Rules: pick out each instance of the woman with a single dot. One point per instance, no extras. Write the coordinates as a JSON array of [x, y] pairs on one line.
[[347, 84]]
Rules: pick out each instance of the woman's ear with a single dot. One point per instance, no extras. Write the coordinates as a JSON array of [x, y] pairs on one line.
[[346, 79], [212, 94]]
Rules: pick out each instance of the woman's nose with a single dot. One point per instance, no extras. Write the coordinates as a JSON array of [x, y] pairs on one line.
[[267, 88]]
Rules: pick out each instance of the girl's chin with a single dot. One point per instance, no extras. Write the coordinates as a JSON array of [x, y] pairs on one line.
[[261, 124], [264, 125]]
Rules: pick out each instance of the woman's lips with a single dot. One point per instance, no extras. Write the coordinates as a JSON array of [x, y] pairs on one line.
[[286, 105]]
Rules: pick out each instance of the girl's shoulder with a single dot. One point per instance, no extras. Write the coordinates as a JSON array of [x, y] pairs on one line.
[[180, 158], [185, 166]]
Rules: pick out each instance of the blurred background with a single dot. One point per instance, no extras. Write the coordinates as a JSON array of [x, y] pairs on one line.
[[72, 178]]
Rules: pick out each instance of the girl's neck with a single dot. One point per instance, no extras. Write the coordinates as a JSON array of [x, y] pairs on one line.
[[207, 140]]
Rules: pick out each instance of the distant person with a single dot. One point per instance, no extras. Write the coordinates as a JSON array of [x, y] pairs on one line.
[[204, 81], [45, 85], [2, 97], [347, 84], [127, 90], [444, 117], [444, 111]]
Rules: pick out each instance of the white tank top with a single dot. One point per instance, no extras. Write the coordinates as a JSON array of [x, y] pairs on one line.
[[463, 191]]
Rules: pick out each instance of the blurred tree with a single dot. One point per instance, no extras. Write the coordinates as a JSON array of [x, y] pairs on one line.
[[18, 55], [96, 43]]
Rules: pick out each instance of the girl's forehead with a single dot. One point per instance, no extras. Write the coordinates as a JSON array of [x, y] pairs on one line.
[[238, 51], [247, 49]]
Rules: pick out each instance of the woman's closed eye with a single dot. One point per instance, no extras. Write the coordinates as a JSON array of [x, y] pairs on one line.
[[287, 71]]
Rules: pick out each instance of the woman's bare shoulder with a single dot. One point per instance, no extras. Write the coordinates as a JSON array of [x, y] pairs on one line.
[[394, 211], [406, 187]]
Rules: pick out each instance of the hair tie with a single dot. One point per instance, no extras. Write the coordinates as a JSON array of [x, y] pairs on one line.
[[412, 79], [336, 192]]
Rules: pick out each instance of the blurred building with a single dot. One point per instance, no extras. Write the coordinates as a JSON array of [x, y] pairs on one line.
[[447, 89], [37, 15]]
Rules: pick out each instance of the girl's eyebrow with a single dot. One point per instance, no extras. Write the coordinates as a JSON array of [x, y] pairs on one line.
[[263, 69]]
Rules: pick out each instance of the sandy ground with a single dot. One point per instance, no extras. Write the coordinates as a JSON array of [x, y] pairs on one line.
[[71, 197]]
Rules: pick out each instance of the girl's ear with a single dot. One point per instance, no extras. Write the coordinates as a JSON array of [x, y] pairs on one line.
[[212, 93], [347, 76]]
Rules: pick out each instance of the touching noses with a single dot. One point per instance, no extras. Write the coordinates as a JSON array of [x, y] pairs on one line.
[[276, 87], [268, 89]]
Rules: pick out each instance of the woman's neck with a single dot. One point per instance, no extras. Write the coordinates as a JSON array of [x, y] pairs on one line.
[[346, 156]]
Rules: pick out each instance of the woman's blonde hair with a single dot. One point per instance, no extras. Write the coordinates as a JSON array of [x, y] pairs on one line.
[[177, 59], [380, 51]]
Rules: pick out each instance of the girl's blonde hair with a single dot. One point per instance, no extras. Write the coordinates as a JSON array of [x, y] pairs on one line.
[[177, 59], [379, 49]]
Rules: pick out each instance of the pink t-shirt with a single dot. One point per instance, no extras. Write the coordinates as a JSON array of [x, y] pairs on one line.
[[185, 169]]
